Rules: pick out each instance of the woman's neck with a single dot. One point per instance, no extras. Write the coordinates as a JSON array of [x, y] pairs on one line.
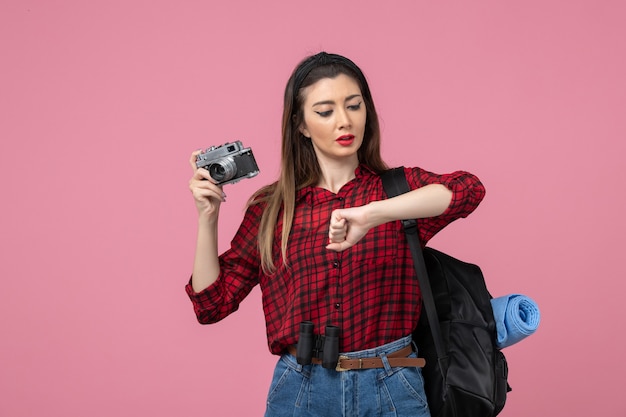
[[334, 176]]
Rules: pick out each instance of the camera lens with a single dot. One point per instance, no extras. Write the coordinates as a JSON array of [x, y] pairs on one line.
[[217, 172], [222, 170]]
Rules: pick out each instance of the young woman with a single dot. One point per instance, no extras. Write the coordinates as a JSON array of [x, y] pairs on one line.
[[327, 248]]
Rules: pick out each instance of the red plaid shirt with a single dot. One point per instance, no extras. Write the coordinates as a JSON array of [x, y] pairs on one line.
[[370, 290]]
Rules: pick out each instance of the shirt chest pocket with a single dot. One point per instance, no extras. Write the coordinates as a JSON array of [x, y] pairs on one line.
[[379, 245]]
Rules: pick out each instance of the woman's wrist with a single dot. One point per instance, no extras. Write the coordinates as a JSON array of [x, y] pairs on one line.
[[377, 213], [207, 223]]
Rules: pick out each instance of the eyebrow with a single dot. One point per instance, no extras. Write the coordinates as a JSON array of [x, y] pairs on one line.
[[332, 102]]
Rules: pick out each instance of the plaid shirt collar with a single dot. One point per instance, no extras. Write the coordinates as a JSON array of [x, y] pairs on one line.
[[308, 193]]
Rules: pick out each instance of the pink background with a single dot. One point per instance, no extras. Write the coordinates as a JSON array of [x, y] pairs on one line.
[[101, 104]]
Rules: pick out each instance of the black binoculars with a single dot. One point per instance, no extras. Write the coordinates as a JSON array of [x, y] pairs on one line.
[[324, 346]]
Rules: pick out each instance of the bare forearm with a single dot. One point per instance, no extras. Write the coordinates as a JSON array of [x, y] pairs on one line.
[[206, 266], [428, 201]]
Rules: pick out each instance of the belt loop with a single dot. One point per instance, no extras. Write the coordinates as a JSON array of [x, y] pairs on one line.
[[386, 365]]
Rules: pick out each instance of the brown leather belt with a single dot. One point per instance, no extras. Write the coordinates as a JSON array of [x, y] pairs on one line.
[[396, 359]]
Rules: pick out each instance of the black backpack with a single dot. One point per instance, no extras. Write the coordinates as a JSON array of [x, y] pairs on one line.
[[465, 373]]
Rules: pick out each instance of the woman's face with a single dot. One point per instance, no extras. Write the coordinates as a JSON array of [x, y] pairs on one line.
[[334, 118]]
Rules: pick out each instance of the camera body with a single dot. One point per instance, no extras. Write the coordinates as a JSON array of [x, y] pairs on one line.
[[228, 163]]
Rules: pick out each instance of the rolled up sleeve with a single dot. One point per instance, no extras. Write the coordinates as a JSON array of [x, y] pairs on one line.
[[467, 193], [239, 273]]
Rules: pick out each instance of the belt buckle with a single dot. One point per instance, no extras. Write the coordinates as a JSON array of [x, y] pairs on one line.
[[339, 368]]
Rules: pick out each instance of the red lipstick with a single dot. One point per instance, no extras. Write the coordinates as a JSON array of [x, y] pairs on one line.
[[345, 140]]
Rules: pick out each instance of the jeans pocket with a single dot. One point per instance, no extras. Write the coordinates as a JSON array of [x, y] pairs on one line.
[[402, 393], [287, 390]]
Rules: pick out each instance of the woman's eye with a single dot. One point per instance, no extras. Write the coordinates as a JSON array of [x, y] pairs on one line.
[[326, 113], [354, 107]]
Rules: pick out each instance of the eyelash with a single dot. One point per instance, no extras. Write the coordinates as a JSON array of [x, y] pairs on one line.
[[327, 113]]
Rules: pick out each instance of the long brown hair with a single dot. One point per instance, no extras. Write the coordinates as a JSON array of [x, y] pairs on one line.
[[299, 166]]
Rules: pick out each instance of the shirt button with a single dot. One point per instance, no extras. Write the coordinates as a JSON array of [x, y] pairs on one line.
[[340, 198], [335, 264], [337, 306]]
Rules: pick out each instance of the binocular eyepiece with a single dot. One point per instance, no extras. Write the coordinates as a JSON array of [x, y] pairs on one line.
[[326, 346]]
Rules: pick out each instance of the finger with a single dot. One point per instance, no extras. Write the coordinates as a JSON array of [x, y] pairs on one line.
[[336, 216], [337, 225], [337, 232], [193, 157], [338, 247], [336, 221], [337, 235], [208, 193], [338, 238], [203, 181], [203, 174]]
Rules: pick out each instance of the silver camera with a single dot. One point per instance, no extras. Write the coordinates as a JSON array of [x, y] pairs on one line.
[[228, 163]]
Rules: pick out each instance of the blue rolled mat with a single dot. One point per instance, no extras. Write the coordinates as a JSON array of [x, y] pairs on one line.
[[517, 317]]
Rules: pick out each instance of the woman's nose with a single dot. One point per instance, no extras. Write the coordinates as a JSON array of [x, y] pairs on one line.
[[343, 119]]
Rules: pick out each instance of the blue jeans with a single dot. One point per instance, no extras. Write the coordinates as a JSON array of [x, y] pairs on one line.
[[312, 390]]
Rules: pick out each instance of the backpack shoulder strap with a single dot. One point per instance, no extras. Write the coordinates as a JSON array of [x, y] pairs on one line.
[[395, 183]]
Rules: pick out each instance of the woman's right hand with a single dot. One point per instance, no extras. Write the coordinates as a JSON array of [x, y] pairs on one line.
[[206, 193]]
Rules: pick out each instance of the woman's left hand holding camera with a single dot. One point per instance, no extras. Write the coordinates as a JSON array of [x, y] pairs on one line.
[[206, 193]]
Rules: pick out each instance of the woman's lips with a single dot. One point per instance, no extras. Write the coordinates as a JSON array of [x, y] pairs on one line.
[[345, 140]]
